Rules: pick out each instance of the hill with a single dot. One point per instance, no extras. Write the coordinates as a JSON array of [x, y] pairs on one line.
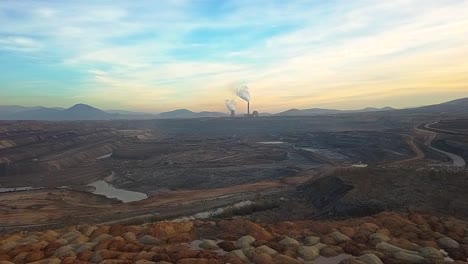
[[321, 111], [76, 112], [185, 113]]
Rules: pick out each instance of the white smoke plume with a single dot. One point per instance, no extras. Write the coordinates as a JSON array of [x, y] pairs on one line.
[[243, 92], [231, 105]]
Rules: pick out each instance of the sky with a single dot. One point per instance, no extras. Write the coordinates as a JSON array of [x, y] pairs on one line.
[[155, 56]]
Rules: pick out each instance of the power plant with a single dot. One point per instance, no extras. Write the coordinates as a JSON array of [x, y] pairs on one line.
[[243, 93]]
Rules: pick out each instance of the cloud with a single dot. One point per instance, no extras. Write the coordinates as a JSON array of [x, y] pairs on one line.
[[19, 43], [299, 54]]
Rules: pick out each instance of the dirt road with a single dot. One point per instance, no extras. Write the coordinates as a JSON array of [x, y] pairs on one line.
[[457, 161]]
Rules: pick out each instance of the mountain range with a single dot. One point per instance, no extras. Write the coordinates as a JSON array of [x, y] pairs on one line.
[[87, 112], [321, 111]]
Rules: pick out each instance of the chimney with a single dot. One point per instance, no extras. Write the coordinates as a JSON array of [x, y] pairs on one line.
[[248, 108], [233, 113]]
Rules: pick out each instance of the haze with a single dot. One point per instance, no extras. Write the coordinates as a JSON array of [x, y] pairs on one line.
[[162, 55]]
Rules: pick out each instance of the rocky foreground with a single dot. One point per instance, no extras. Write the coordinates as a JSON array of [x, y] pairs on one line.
[[383, 238]]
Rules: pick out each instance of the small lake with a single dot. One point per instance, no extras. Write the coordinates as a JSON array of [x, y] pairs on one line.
[[103, 188], [271, 142], [104, 156]]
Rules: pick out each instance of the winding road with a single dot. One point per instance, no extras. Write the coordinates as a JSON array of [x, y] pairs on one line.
[[457, 161]]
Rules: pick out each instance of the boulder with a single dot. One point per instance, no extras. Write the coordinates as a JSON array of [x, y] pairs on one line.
[[283, 259], [287, 241], [311, 240], [262, 259], [12, 238], [88, 230], [34, 256], [447, 242], [369, 226], [171, 229], [232, 259], [347, 231], [320, 246], [149, 240], [391, 249], [70, 236], [239, 254], [39, 245], [79, 240], [352, 260], [248, 251], [129, 236], [266, 250], [431, 253], [20, 258], [88, 246], [339, 237], [144, 261], [51, 261], [102, 237], [378, 237], [100, 231], [370, 259], [64, 251], [145, 255], [244, 241], [7, 246], [308, 252], [28, 240], [199, 261], [209, 244], [227, 246], [245, 227], [331, 251], [380, 255], [408, 258]]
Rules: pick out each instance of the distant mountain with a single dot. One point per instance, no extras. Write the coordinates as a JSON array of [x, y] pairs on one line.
[[185, 113], [87, 112], [84, 112], [321, 111], [76, 112], [454, 107]]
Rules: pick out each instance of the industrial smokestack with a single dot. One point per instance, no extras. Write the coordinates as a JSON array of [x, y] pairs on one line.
[[243, 92], [231, 105]]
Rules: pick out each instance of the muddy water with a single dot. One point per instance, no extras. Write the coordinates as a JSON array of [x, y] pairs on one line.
[[103, 188], [271, 142]]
